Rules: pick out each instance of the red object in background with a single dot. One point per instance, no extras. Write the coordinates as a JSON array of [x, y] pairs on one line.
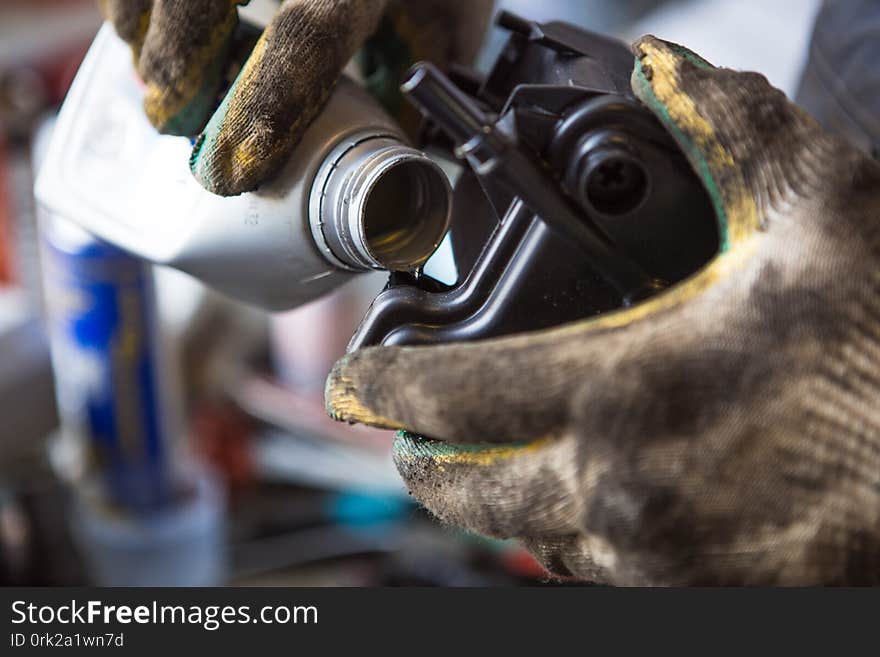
[[5, 217], [223, 436], [520, 562]]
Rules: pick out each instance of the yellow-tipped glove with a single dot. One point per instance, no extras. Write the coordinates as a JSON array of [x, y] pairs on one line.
[[726, 431], [181, 49]]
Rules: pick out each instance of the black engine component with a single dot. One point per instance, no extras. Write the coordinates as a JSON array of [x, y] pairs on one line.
[[576, 201]]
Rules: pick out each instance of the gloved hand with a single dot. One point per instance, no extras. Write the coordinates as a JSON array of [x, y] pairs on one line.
[[181, 47], [724, 431]]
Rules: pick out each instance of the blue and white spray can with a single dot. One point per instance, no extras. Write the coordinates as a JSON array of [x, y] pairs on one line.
[[104, 336]]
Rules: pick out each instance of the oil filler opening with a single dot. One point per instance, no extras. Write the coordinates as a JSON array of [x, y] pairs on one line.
[[379, 204], [405, 214]]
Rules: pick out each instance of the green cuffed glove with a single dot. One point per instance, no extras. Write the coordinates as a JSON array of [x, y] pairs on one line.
[[726, 431], [181, 48]]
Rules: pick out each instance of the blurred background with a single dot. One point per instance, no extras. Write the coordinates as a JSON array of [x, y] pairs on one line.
[[274, 492]]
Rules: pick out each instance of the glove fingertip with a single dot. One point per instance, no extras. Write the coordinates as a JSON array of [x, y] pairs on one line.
[[251, 134], [204, 162], [650, 43], [344, 398], [678, 86]]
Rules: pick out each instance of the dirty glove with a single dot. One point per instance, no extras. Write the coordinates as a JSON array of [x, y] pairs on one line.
[[181, 49], [724, 431]]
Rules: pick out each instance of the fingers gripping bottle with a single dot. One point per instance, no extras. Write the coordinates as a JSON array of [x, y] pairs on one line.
[[354, 196]]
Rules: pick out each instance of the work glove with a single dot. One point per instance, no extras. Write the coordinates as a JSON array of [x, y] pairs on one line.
[[182, 47], [726, 431]]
